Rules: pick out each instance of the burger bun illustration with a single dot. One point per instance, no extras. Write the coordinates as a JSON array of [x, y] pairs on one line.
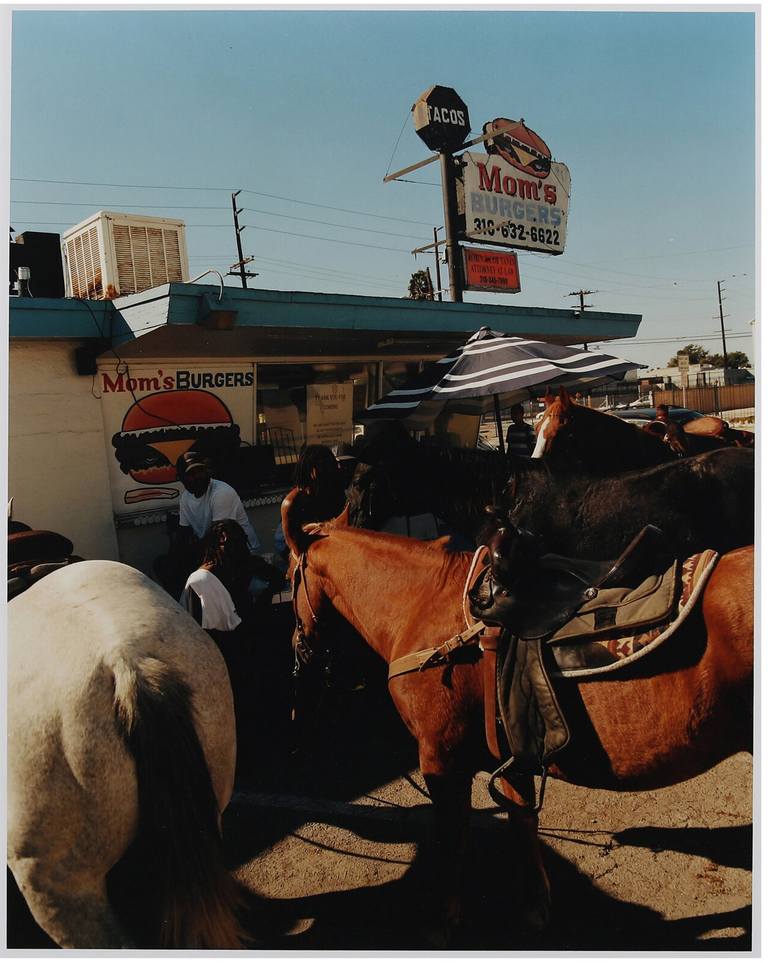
[[159, 428], [520, 147]]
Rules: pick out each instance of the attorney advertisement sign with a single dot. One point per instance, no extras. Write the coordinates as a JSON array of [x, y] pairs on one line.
[[501, 204], [329, 413]]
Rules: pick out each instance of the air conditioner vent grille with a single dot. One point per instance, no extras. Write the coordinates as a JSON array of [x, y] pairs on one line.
[[124, 254]]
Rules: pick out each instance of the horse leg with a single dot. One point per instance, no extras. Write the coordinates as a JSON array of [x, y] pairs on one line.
[[75, 913], [533, 880], [451, 797]]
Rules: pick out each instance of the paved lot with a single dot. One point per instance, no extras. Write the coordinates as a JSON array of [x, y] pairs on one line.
[[332, 845], [335, 853]]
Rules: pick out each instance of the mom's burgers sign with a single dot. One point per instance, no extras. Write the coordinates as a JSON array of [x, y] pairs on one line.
[[515, 195], [154, 414]]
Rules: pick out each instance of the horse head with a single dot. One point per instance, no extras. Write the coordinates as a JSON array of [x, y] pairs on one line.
[[307, 590], [555, 422]]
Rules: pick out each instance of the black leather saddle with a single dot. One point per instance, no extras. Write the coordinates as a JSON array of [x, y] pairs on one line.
[[533, 593]]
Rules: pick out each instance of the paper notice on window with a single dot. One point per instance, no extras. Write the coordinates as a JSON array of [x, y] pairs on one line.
[[329, 414]]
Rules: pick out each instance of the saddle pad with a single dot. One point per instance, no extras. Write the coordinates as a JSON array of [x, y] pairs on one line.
[[601, 655], [622, 610]]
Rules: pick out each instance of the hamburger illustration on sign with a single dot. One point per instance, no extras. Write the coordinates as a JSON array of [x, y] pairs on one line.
[[159, 428], [520, 147]]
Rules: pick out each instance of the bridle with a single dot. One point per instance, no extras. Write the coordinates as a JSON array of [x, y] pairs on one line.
[[303, 650]]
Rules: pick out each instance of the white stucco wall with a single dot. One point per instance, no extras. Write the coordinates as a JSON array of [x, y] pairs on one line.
[[57, 465]]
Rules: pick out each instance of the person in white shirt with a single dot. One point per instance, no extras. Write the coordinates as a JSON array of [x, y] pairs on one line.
[[206, 500], [208, 592], [213, 595]]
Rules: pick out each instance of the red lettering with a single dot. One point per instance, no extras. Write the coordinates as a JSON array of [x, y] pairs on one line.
[[168, 382], [109, 385], [529, 190], [509, 185], [549, 194], [487, 183]]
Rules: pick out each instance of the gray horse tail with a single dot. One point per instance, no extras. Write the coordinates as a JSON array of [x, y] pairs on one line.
[[178, 831]]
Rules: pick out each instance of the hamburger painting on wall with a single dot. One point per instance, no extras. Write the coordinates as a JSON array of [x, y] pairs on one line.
[[515, 195], [153, 415]]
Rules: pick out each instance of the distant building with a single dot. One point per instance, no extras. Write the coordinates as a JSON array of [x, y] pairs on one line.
[[698, 376]]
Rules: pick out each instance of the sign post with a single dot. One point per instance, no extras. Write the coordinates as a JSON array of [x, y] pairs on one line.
[[441, 121], [683, 363]]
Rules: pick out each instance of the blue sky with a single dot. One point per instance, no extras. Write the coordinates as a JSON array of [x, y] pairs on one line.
[[653, 112]]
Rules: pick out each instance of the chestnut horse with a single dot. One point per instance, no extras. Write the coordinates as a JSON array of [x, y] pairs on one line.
[[655, 725], [570, 435], [121, 756]]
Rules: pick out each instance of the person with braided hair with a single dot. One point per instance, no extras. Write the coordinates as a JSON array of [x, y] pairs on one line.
[[216, 595], [210, 590]]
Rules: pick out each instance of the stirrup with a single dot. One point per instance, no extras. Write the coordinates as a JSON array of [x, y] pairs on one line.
[[503, 800]]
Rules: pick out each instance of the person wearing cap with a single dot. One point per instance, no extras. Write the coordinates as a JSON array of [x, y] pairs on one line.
[[207, 499]]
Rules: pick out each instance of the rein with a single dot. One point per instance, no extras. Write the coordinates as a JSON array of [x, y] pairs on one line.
[[442, 654], [302, 650]]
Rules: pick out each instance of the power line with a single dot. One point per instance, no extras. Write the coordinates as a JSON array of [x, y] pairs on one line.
[[678, 338], [177, 187], [251, 210]]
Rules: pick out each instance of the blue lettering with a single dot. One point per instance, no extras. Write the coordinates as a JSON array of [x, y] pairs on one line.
[[518, 210], [506, 207], [555, 216], [542, 213], [531, 212]]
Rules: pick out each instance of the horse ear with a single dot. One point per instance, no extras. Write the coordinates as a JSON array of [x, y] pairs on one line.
[[298, 535], [343, 519], [564, 397]]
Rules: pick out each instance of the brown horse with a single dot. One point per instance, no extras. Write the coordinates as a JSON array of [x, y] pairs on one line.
[[584, 439], [652, 727]]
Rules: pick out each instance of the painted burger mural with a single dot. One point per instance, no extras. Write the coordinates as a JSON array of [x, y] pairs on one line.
[[158, 428]]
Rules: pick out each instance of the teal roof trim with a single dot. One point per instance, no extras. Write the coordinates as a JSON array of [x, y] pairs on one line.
[[65, 318], [180, 304]]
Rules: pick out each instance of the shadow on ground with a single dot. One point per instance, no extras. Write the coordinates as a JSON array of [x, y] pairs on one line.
[[348, 742]]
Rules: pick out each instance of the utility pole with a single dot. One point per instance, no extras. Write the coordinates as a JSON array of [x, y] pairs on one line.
[[581, 294], [722, 325], [438, 269], [454, 268], [241, 263]]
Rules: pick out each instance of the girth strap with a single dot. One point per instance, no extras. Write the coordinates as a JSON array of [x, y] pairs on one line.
[[489, 644]]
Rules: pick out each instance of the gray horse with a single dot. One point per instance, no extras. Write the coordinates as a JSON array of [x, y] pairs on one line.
[[121, 746]]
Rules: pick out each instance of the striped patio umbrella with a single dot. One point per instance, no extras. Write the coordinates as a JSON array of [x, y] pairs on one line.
[[491, 369]]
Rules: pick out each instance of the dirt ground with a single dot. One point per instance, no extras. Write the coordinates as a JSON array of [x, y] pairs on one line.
[[332, 844], [334, 848]]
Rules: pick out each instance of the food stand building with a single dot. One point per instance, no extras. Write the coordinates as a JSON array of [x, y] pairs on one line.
[[105, 396]]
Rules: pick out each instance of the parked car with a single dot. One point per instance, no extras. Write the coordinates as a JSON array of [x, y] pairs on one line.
[[642, 416]]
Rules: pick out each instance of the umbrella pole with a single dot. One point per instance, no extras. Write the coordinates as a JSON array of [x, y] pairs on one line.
[[499, 420]]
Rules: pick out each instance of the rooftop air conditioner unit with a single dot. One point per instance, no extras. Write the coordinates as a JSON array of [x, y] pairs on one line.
[[111, 254]]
